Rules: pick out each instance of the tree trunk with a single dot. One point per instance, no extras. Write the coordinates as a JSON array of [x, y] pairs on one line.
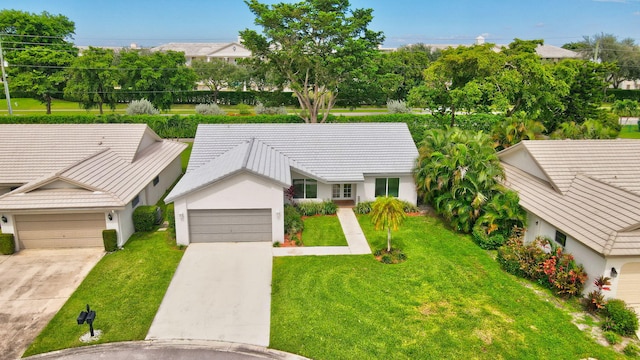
[[388, 239], [453, 115], [100, 107], [47, 101]]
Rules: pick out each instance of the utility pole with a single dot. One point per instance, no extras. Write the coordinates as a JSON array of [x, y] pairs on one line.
[[4, 80]]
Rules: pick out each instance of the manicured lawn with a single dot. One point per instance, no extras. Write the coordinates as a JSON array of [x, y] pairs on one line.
[[629, 132], [323, 231], [125, 289], [449, 300]]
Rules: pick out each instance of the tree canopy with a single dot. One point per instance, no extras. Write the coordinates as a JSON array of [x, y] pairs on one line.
[[93, 78], [37, 48], [217, 74], [313, 47]]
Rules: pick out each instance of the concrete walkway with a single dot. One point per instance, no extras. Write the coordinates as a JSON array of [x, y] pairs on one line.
[[220, 292], [358, 244]]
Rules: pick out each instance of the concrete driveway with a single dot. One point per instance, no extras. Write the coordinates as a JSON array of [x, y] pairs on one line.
[[221, 292], [34, 284]]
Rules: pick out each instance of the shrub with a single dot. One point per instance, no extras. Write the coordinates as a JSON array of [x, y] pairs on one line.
[[263, 110], [631, 350], [611, 337], [244, 109], [7, 244], [555, 269], [363, 207], [594, 302], [310, 208], [292, 220], [145, 218], [619, 318], [408, 207], [209, 109], [487, 241], [141, 107], [397, 107], [110, 240], [171, 219]]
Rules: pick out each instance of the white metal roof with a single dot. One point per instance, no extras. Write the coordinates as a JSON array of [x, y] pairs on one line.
[[326, 152]]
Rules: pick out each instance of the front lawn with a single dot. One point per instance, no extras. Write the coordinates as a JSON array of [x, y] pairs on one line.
[[323, 231], [629, 132], [449, 300], [125, 289]]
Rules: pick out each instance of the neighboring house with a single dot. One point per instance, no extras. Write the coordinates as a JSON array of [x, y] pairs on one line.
[[585, 195], [62, 184], [238, 175], [229, 52]]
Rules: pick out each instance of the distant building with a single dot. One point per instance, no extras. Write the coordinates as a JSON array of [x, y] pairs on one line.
[[229, 52]]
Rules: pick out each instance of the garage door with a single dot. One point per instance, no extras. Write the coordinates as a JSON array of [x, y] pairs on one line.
[[60, 230], [241, 225], [629, 284]]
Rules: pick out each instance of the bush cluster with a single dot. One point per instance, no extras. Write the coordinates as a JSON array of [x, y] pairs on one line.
[[292, 220], [141, 107], [487, 241], [110, 240], [541, 262], [364, 207], [398, 107], [145, 218], [619, 318], [171, 219], [310, 208], [209, 109], [7, 244], [260, 109]]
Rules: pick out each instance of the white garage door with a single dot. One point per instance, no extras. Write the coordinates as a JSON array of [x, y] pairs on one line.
[[60, 230], [629, 284], [238, 225]]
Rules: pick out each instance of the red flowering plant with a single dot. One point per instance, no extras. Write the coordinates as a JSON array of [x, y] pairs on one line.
[[594, 302]]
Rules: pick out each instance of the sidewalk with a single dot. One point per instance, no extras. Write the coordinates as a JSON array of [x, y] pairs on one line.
[[358, 244]]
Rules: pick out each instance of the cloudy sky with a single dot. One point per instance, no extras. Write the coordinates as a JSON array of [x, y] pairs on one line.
[[152, 22]]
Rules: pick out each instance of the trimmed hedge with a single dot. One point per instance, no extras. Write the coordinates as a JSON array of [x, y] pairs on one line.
[[364, 207], [310, 208], [184, 127], [110, 240], [7, 244], [622, 94], [145, 218]]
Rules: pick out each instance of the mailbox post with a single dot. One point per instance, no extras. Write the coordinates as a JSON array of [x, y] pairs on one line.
[[87, 316]]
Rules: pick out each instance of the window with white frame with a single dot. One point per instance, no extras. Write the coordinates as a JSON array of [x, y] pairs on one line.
[[387, 187], [305, 189], [346, 191], [335, 191]]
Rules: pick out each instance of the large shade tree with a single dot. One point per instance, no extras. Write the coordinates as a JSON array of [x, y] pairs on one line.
[[37, 48], [93, 78], [313, 46], [217, 74]]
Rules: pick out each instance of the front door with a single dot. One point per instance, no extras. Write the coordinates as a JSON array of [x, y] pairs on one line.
[[342, 191]]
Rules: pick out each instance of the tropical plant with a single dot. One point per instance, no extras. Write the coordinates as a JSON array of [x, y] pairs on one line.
[[502, 215], [594, 302], [515, 129], [619, 318], [590, 129], [387, 213], [457, 172]]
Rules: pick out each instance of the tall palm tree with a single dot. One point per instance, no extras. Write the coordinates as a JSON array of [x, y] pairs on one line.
[[387, 213]]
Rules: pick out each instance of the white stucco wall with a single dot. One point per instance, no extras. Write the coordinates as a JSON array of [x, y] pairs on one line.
[[594, 264], [618, 263], [406, 191], [241, 191], [166, 178]]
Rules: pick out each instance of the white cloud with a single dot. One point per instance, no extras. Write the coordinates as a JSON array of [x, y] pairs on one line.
[[540, 25]]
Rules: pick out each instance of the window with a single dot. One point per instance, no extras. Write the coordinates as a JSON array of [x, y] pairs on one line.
[[156, 180], [346, 191], [387, 187], [305, 189], [136, 201], [561, 238], [335, 191]]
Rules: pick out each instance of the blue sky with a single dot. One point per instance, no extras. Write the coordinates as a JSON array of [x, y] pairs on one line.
[[152, 22]]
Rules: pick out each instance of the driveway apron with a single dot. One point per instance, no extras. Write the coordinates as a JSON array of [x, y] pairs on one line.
[[35, 285], [220, 291]]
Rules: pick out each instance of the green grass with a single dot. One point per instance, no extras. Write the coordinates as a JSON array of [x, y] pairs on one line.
[[323, 231], [449, 300], [125, 289], [629, 132]]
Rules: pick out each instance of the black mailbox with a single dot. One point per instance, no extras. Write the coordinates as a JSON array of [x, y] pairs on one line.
[[87, 316], [82, 317]]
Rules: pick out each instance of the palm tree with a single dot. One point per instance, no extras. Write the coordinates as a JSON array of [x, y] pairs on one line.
[[515, 129], [387, 213]]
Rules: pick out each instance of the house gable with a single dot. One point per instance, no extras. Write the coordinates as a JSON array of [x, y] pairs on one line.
[[521, 158]]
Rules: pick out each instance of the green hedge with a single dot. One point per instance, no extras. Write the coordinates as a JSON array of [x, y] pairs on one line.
[[7, 244], [311, 208], [177, 126], [622, 94], [145, 218], [619, 318], [292, 220], [110, 240]]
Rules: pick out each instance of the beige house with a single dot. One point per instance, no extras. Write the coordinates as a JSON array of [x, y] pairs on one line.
[[585, 195], [229, 52], [62, 184]]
